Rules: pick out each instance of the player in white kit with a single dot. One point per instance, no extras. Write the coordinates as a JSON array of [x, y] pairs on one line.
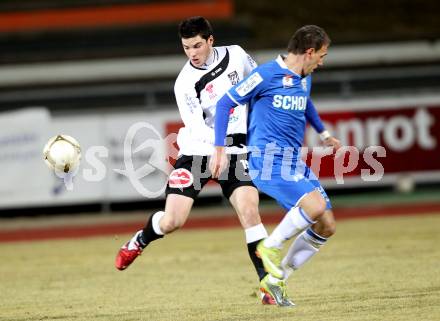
[[209, 72]]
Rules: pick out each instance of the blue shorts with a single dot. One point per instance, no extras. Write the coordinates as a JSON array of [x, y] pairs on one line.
[[286, 188]]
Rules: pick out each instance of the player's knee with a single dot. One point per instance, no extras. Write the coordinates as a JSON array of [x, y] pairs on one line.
[[314, 205], [170, 226], [250, 216], [170, 223], [319, 207]]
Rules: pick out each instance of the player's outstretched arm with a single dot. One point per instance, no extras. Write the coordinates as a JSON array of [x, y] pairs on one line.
[[332, 142], [313, 118]]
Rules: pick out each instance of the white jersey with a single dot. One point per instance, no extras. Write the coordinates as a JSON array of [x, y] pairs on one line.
[[197, 91]]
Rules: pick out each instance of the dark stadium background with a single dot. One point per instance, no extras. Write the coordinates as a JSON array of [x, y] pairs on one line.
[[92, 68], [39, 33]]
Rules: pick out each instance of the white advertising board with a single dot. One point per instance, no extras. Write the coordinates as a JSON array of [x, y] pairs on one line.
[[137, 165], [24, 178], [125, 156]]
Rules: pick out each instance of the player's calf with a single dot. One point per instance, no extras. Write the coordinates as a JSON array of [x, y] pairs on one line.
[[326, 225]]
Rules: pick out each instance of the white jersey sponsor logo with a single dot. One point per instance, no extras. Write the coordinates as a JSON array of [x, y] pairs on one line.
[[210, 90], [287, 81], [246, 86]]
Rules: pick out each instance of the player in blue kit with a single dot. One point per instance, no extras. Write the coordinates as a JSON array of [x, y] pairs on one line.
[[278, 93]]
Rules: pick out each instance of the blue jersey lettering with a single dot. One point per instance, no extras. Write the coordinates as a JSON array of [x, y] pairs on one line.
[[289, 102]]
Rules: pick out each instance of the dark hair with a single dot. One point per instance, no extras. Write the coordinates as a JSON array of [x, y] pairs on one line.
[[306, 37], [194, 26]]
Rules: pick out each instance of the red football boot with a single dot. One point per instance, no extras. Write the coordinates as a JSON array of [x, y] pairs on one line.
[[128, 253], [267, 299]]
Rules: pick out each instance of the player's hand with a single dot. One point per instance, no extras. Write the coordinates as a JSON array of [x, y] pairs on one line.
[[218, 162], [333, 142]]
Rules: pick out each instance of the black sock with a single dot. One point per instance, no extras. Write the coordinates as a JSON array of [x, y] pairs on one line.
[[148, 234], [258, 264]]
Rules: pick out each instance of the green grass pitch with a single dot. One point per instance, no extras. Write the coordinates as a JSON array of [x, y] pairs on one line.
[[372, 269]]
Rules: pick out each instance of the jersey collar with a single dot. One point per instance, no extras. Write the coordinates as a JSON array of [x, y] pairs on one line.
[[213, 57], [282, 64]]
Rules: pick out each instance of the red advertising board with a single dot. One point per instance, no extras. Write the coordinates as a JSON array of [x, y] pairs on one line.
[[409, 136], [380, 143]]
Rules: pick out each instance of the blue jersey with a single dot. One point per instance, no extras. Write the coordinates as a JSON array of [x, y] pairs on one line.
[[279, 105], [278, 99]]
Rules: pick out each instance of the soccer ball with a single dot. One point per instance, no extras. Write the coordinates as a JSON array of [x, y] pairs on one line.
[[62, 153]]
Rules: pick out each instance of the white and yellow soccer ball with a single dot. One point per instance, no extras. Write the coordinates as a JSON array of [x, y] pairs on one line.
[[62, 153]]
